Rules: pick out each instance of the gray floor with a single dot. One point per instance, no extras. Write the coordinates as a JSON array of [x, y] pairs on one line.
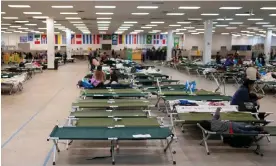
[[28, 118]]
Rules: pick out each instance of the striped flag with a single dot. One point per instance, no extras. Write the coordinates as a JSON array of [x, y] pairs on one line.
[[123, 39], [120, 38], [72, 39], [43, 39], [64, 39], [58, 39], [134, 39], [96, 39], [130, 39], [87, 39], [163, 39], [78, 39]]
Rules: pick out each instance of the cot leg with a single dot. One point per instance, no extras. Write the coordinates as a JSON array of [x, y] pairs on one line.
[[172, 123], [112, 152], [166, 107], [157, 104], [56, 149], [204, 140], [170, 149], [258, 148]]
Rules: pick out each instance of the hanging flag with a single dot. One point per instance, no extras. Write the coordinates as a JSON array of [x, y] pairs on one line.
[[98, 39], [126, 39], [114, 39], [145, 39], [59, 39], [176, 42], [120, 39], [30, 36], [141, 39], [134, 39], [43, 39], [37, 39], [149, 39], [78, 39], [23, 39], [130, 39], [157, 36], [163, 39], [63, 38], [87, 39], [72, 39]]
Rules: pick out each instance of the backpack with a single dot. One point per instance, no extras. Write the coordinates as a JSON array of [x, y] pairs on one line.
[[239, 141]]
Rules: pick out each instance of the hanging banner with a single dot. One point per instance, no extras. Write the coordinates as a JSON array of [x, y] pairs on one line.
[[23, 39], [78, 39], [114, 39], [120, 39], [149, 39], [176, 42], [30, 36], [43, 39], [37, 39]]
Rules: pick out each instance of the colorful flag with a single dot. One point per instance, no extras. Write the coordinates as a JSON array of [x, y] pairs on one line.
[[163, 38], [78, 39], [120, 39], [63, 38], [37, 39], [30, 36], [134, 39], [176, 42], [72, 39], [149, 39], [87, 39], [23, 39], [114, 39], [43, 39]]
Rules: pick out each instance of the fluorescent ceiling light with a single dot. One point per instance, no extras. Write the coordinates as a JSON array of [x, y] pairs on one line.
[[249, 35], [79, 24], [21, 21], [7, 32], [156, 30], [209, 14], [103, 25], [245, 14], [146, 27], [262, 31], [260, 23], [4, 28], [139, 30], [105, 7], [139, 13], [255, 19], [10, 18], [151, 25], [134, 32], [192, 31], [245, 31], [225, 33], [5, 24], [230, 8], [152, 32], [46, 21], [124, 27], [104, 13], [268, 25], [184, 22], [19, 6], [251, 32], [268, 8], [23, 28], [68, 13], [200, 32], [57, 24], [200, 29], [62, 7], [189, 27], [103, 22], [231, 27], [175, 14], [157, 22], [130, 22], [272, 15], [179, 33], [17, 31], [147, 7], [127, 25], [73, 18], [3, 12], [174, 25], [56, 32], [181, 29], [40, 17], [15, 26], [225, 19], [76, 22], [188, 7], [195, 19], [23, 32], [42, 28], [32, 12], [164, 33], [118, 32], [235, 22], [104, 18], [195, 33], [221, 25], [102, 32]]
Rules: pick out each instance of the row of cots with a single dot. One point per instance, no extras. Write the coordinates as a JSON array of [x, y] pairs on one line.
[[124, 113]]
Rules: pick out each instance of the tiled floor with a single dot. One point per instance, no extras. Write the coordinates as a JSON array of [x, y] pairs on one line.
[[28, 118]]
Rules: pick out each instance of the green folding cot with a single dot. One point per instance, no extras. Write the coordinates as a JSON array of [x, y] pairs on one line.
[[111, 104], [185, 93], [154, 81], [112, 134], [113, 93], [110, 114], [150, 75]]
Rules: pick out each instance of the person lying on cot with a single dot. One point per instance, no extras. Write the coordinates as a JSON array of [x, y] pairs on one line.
[[218, 125], [244, 98]]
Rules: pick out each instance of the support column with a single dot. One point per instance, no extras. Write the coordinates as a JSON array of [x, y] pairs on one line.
[[267, 46], [207, 51], [50, 43], [68, 44], [169, 45]]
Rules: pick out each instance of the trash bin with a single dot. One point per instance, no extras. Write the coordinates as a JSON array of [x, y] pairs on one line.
[[56, 64]]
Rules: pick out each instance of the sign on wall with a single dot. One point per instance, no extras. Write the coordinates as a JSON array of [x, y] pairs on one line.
[[106, 37], [30, 36], [114, 39], [37, 39], [23, 39]]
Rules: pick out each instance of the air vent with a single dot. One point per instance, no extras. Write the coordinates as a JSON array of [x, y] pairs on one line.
[[80, 11]]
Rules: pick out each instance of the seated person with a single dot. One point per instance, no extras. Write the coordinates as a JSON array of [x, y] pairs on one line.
[[113, 77], [218, 125], [243, 96], [99, 77], [229, 61]]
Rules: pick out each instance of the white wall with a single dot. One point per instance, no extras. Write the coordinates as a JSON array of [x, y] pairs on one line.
[[247, 40]]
